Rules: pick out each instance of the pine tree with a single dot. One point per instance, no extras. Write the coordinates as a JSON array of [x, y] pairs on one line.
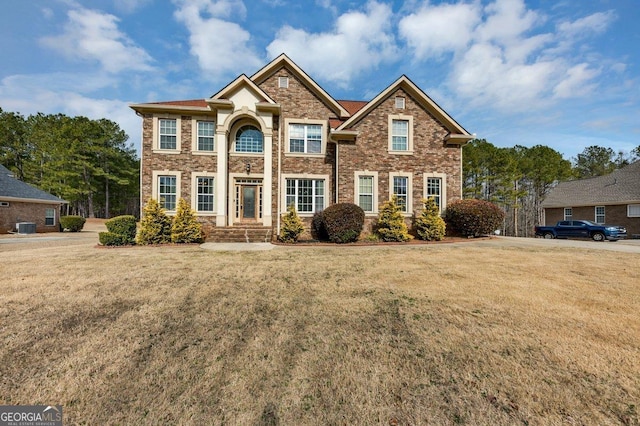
[[185, 228], [292, 226], [429, 225], [391, 226], [155, 225]]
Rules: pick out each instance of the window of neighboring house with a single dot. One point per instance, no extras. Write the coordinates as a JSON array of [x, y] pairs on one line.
[[305, 138], [399, 102], [167, 192], [283, 82], [50, 217], [206, 190], [249, 139], [568, 212], [4, 204], [599, 214], [307, 195], [434, 190], [633, 210], [206, 134], [400, 188], [400, 134], [167, 129]]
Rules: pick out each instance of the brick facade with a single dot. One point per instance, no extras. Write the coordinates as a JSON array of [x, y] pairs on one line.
[[614, 215], [269, 106], [28, 212]]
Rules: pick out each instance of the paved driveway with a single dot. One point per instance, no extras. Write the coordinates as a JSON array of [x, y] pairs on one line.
[[625, 246]]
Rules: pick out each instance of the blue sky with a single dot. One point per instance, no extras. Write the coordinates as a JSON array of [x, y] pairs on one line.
[[565, 74]]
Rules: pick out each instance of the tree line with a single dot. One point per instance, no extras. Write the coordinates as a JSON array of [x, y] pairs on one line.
[[85, 162], [518, 178]]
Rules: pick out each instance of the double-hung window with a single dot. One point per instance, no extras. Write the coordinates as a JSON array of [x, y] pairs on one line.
[[305, 138], [206, 192], [167, 192], [206, 133], [50, 217], [399, 135], [568, 213], [600, 214], [167, 130], [401, 191], [434, 190], [306, 195], [633, 210], [365, 193]]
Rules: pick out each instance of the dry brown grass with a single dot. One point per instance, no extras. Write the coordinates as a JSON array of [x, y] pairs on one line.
[[440, 334]]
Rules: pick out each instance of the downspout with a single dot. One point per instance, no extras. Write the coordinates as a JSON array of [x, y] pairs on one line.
[[279, 200], [141, 163], [337, 174]]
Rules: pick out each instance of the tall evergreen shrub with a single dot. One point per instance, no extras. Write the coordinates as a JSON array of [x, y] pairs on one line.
[[155, 225], [429, 225], [390, 226], [185, 228]]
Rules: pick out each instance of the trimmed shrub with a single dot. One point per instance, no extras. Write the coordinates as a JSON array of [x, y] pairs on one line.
[[111, 239], [472, 218], [343, 222], [123, 225], [292, 226], [155, 225], [72, 223], [318, 228], [429, 225], [390, 225], [185, 228]]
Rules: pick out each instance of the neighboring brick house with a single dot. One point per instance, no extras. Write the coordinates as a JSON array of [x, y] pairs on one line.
[[277, 138], [21, 202], [612, 199]]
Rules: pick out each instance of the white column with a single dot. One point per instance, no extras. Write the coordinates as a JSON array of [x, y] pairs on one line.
[[221, 178], [268, 179]]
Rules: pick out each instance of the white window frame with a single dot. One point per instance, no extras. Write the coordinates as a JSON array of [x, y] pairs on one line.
[[633, 210], [51, 216], [400, 102], [443, 187], [195, 138], [4, 204], [603, 214], [155, 187], [565, 215], [194, 193], [305, 121], [234, 136], [283, 82], [283, 197], [156, 134], [409, 120], [356, 191], [409, 177]]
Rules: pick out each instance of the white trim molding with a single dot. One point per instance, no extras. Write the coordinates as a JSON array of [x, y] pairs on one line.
[[194, 193], [409, 120], [156, 134], [298, 176], [303, 121], [194, 135], [409, 177], [154, 185], [356, 190], [443, 187]]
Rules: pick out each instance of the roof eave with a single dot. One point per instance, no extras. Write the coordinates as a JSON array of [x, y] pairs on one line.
[[32, 200], [153, 108], [343, 135]]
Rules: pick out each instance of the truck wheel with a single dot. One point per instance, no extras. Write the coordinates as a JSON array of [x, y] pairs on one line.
[[548, 236], [598, 236]]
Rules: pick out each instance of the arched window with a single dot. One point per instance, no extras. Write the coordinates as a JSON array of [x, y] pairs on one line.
[[249, 139]]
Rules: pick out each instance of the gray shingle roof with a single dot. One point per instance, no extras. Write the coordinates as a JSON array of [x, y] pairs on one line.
[[620, 187], [14, 188]]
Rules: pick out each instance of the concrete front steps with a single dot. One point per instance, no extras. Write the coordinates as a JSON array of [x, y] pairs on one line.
[[241, 233]]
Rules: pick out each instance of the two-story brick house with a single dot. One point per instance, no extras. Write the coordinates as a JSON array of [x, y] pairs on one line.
[[277, 138]]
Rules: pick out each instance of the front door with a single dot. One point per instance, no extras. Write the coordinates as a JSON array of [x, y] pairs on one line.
[[248, 200]]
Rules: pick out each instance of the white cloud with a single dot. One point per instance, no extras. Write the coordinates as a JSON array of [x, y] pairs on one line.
[[576, 82], [94, 36], [433, 30], [130, 6], [596, 23], [221, 46], [359, 41]]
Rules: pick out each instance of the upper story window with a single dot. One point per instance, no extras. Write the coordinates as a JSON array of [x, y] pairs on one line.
[[306, 138], [399, 102], [206, 134], [400, 134], [283, 82], [249, 139], [168, 133]]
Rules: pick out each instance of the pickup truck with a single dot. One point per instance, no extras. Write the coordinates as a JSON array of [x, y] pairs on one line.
[[581, 229]]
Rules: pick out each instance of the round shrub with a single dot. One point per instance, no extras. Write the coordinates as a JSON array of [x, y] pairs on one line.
[[72, 223], [125, 226], [472, 218], [111, 239], [343, 222], [318, 229]]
